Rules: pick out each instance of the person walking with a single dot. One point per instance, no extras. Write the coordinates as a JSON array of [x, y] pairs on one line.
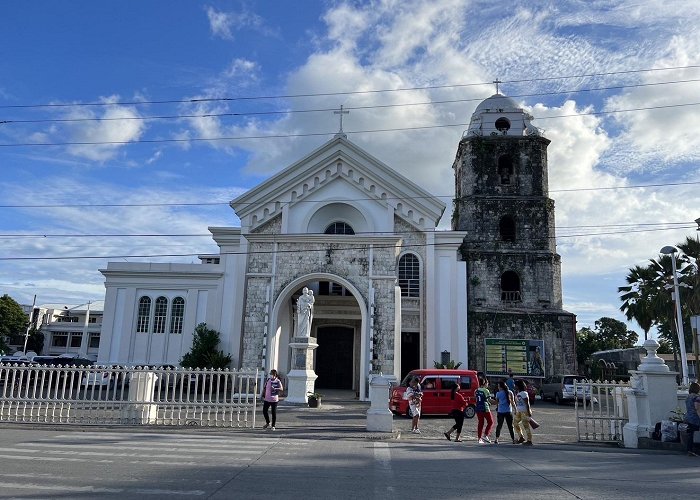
[[459, 403], [506, 404], [692, 415], [523, 412], [414, 395], [270, 396], [510, 381], [483, 411]]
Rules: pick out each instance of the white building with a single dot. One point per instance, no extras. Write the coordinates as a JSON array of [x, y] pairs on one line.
[[390, 290], [67, 328]]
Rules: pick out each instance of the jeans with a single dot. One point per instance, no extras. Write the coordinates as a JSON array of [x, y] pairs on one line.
[[273, 407], [459, 420], [691, 434]]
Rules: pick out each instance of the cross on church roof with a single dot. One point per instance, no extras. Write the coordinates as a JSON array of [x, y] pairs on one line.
[[497, 82], [341, 113]]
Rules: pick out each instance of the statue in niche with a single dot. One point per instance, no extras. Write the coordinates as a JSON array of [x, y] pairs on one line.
[[305, 312]]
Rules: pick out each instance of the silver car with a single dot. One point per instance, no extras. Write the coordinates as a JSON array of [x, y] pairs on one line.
[[560, 388]]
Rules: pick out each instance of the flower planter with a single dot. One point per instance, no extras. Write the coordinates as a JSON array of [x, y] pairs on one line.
[[314, 402]]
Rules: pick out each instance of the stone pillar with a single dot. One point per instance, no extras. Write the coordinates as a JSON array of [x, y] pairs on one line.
[[379, 417], [140, 409], [651, 396], [301, 378]]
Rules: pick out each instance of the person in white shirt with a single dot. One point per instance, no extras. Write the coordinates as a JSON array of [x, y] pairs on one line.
[[523, 412]]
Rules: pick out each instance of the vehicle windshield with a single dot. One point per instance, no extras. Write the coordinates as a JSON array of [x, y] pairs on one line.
[[570, 380], [406, 379]]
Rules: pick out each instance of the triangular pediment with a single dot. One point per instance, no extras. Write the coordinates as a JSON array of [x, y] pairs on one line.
[[345, 167]]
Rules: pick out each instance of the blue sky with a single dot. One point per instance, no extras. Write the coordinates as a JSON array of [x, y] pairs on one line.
[[129, 57]]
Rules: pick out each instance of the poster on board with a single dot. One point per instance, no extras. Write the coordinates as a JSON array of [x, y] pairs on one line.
[[524, 357]]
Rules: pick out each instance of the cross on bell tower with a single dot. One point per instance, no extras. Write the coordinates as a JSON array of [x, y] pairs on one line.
[[497, 82]]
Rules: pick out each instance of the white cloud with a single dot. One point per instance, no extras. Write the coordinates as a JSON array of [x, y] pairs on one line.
[[79, 279], [220, 23], [223, 24]]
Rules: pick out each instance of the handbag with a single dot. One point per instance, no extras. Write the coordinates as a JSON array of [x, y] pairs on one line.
[[533, 423]]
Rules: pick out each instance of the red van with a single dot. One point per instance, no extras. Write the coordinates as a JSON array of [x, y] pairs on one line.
[[437, 385]]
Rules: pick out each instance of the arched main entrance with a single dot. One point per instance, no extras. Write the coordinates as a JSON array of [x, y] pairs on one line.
[[340, 325]]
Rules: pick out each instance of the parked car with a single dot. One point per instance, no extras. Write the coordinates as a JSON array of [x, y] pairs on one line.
[[437, 385], [560, 388]]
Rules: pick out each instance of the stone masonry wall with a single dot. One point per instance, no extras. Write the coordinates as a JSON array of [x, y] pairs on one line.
[[557, 329]]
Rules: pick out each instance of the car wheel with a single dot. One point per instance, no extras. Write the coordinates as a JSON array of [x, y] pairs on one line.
[[470, 412], [557, 398]]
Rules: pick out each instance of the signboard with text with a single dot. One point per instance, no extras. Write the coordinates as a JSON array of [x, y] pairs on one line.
[[524, 357]]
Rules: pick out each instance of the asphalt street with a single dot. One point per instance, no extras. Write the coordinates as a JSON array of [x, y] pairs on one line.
[[327, 454]]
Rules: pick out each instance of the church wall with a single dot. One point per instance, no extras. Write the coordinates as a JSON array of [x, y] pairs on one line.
[[557, 329]]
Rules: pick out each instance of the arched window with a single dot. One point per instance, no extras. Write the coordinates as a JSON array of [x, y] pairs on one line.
[[510, 287], [409, 275], [144, 316], [505, 169], [160, 316], [506, 227], [177, 314], [339, 228]]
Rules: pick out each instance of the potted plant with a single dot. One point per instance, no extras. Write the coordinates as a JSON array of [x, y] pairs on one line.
[[314, 399]]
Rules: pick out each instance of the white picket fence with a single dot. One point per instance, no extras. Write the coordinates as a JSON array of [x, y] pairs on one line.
[[602, 412], [112, 395]]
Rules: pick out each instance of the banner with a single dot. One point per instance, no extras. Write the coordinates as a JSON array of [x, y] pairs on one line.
[[525, 358]]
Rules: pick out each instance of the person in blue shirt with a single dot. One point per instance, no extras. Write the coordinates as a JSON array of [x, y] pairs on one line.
[[692, 415], [506, 404], [510, 381]]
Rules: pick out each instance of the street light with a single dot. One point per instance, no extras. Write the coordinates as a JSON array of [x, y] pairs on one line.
[[668, 250]]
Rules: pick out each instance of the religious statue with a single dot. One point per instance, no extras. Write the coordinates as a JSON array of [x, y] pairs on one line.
[[305, 312]]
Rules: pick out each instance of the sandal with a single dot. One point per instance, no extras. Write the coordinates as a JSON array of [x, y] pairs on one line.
[[458, 440]]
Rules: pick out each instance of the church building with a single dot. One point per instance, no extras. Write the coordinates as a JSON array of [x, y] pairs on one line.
[[389, 291]]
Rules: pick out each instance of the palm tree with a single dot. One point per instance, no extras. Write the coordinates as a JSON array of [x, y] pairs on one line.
[[637, 295]]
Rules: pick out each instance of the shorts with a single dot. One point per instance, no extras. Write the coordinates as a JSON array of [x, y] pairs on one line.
[[415, 410]]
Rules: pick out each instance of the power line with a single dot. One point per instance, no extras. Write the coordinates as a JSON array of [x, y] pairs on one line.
[[327, 110], [359, 233], [329, 94], [316, 134], [325, 247], [222, 203]]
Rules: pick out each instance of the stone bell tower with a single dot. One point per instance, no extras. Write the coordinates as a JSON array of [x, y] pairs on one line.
[[515, 316]]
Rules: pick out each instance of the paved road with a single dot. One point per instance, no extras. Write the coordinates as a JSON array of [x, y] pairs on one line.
[[265, 464]]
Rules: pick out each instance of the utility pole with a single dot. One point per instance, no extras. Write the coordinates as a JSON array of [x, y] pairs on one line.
[[29, 326]]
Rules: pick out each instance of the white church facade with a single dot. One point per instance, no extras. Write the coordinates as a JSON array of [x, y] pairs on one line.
[[390, 290]]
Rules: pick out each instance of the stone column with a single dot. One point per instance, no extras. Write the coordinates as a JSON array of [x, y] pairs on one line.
[[651, 396], [379, 417], [301, 378]]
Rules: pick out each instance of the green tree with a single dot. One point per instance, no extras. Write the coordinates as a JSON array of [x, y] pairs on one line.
[[205, 351], [637, 297], [13, 320], [608, 333], [35, 342]]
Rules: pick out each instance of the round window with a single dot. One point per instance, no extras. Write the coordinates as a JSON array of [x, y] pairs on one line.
[[502, 124]]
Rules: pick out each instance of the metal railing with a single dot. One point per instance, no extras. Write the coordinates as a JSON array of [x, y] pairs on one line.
[[120, 395], [601, 410]]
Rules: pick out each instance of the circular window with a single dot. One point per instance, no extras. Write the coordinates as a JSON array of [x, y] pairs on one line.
[[502, 124]]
